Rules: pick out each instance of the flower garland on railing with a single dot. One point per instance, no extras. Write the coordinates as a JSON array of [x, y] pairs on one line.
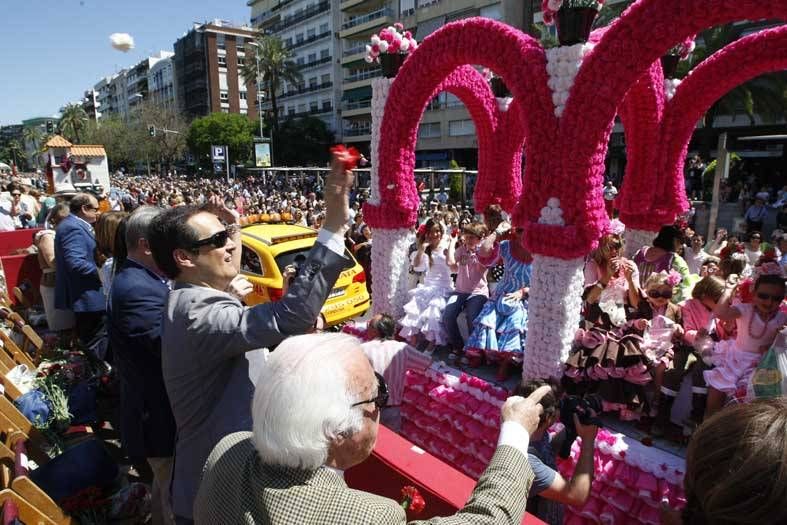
[[391, 40]]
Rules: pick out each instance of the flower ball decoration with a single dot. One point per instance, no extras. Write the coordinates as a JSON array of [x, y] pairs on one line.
[[391, 40]]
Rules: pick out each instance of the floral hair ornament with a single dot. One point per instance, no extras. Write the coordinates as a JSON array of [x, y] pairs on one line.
[[352, 155], [616, 227], [673, 278], [767, 268], [392, 40]]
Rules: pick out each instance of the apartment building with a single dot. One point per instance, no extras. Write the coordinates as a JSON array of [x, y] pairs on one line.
[[208, 60], [161, 82], [447, 131], [308, 28]]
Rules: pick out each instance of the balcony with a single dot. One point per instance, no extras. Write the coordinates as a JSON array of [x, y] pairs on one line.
[[358, 133], [361, 5], [354, 54], [303, 67], [368, 23], [361, 79], [296, 18], [312, 112], [306, 89], [356, 108], [309, 40]]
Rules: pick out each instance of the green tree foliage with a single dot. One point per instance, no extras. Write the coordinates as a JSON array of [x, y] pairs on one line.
[[222, 129], [302, 142], [73, 121], [275, 64], [14, 153], [32, 136]]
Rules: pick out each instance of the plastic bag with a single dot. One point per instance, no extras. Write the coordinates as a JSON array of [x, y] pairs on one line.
[[22, 378], [770, 377]]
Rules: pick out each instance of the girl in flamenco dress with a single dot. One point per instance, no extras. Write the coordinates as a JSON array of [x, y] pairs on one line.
[[499, 329], [757, 324], [424, 310]]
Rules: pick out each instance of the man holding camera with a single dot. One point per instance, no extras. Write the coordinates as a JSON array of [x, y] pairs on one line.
[[550, 491]]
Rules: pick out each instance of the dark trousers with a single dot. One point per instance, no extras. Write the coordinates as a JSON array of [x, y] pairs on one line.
[[88, 324]]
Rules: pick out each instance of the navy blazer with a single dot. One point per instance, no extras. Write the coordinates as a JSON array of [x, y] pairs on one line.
[[137, 302], [77, 285]]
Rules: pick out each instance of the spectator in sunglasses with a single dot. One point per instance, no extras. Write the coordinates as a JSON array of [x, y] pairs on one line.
[[210, 340], [316, 413]]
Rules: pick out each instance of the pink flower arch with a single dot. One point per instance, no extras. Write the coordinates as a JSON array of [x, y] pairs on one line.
[[626, 52], [751, 56], [521, 63]]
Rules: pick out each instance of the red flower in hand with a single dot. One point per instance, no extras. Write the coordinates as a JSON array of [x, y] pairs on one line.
[[351, 155], [413, 501]]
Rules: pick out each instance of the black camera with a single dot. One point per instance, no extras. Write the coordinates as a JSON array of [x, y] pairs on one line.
[[584, 407]]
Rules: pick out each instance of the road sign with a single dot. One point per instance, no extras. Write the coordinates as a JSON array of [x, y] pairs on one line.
[[218, 167], [218, 153]]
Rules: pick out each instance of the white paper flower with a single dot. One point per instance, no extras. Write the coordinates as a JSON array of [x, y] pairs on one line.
[[383, 46], [555, 5], [375, 40], [404, 45], [122, 41], [368, 59]]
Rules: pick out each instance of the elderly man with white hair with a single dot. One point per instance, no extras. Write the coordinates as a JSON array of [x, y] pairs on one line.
[[316, 413]]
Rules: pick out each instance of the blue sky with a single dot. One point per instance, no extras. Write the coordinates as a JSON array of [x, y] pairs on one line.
[[51, 51]]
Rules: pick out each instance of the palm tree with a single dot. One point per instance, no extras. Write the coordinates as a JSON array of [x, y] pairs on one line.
[[16, 152], [72, 121], [32, 136], [275, 64]]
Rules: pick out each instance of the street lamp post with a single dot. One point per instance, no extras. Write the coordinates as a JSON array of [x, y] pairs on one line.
[[259, 97]]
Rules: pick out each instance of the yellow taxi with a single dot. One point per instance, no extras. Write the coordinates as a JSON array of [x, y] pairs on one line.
[[269, 248]]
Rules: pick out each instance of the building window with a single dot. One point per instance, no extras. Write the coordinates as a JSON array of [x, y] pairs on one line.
[[243, 95], [429, 130], [458, 128], [313, 82], [222, 61], [220, 41], [313, 106], [288, 42], [301, 108], [311, 33], [241, 61], [225, 110], [324, 28], [325, 78], [325, 53], [312, 58], [224, 96], [299, 38], [300, 61], [326, 105], [291, 111]]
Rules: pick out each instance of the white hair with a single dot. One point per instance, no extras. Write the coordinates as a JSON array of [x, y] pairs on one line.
[[303, 399]]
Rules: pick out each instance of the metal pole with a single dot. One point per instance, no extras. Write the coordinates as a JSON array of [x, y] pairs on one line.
[[259, 91], [464, 190], [227, 160], [722, 169]]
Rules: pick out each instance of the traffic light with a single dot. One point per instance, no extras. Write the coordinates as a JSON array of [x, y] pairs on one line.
[[152, 131], [50, 126]]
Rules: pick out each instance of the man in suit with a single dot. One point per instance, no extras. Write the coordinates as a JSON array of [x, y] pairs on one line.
[[77, 285], [210, 341], [316, 413], [138, 295]]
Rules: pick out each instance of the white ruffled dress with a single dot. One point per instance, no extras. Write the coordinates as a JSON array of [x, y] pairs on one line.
[[423, 313]]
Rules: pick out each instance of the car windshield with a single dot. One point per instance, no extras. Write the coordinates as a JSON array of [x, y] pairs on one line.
[[297, 257]]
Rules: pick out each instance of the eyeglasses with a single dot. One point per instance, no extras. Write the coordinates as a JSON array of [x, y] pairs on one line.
[[16, 194], [381, 401], [217, 240], [655, 294], [766, 296], [90, 208]]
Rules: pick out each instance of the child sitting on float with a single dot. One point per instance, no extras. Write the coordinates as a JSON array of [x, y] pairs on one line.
[[499, 330], [471, 289], [424, 310], [700, 331], [756, 324]]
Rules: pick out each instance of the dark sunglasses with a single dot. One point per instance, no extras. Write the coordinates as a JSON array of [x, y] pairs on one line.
[[217, 240], [766, 296], [381, 401], [16, 194], [655, 294]]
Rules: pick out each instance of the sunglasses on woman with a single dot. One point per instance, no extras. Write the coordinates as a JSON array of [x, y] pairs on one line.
[[381, 401], [655, 294]]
